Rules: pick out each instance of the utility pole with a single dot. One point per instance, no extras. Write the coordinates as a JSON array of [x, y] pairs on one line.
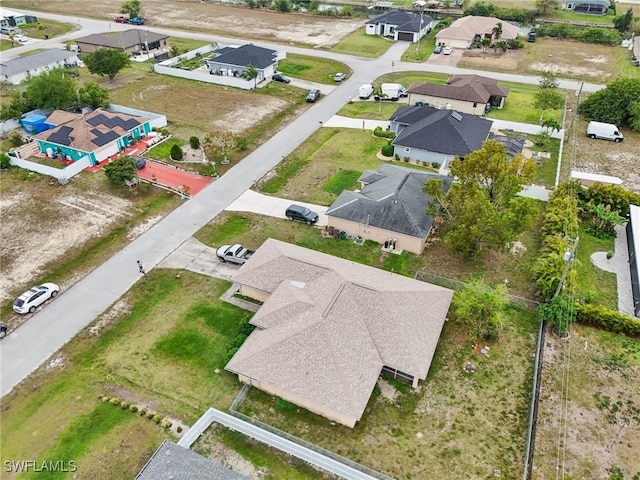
[[568, 257]]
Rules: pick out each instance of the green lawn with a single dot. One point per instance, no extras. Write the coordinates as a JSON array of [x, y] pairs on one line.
[[583, 17], [187, 44], [419, 52], [590, 279], [369, 110], [546, 172], [47, 27], [5, 44], [359, 43], [518, 107], [319, 70], [163, 151]]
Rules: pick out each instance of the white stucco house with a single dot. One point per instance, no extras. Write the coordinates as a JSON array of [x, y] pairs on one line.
[[19, 69]]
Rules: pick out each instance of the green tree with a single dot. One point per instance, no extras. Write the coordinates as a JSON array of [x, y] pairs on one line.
[[133, 8], [14, 108], [220, 143], [502, 45], [54, 89], [559, 312], [552, 125], [623, 22], [106, 61], [443, 23], [284, 6], [194, 142], [482, 308], [121, 170], [496, 31], [485, 43], [251, 73], [617, 103], [546, 6], [547, 97], [93, 95], [176, 152]]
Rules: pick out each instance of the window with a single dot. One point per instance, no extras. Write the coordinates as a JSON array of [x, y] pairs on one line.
[[407, 150], [475, 104]]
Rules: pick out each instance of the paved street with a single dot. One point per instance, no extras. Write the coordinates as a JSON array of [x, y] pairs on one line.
[[36, 340]]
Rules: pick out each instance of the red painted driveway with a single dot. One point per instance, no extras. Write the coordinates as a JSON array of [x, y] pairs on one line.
[[173, 178]]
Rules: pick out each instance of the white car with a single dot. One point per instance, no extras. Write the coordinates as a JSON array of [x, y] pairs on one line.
[[20, 38], [447, 50], [34, 297], [338, 77]]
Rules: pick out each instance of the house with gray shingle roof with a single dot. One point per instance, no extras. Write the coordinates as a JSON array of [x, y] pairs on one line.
[[19, 69], [391, 205], [130, 41], [173, 462], [400, 25], [235, 61], [464, 93], [599, 7], [427, 134], [328, 327]]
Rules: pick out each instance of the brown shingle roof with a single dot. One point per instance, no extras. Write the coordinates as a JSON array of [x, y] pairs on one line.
[[469, 88], [123, 40], [330, 325]]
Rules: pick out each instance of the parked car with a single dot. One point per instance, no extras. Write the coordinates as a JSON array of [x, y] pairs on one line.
[[121, 20], [34, 297], [7, 30], [234, 254], [3, 330], [278, 77], [301, 214], [447, 50], [136, 21], [20, 38], [438, 49], [313, 95], [338, 77], [604, 131], [532, 37]]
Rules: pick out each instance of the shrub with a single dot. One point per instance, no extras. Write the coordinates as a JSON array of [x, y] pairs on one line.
[[380, 132], [157, 419], [150, 414], [142, 412], [387, 150], [114, 401], [15, 139], [607, 319], [435, 164], [176, 152], [165, 132], [243, 144], [194, 142], [166, 423], [105, 399], [559, 313], [609, 255], [179, 429], [397, 157], [133, 408], [207, 169], [124, 404], [407, 159]]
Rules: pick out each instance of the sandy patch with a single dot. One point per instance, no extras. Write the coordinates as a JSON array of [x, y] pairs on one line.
[[571, 69], [260, 107]]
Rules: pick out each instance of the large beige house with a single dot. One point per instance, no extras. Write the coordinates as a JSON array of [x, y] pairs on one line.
[[329, 327], [471, 29], [131, 41], [463, 93]]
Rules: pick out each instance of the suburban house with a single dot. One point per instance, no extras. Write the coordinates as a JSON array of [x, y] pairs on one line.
[[599, 7], [427, 134], [464, 93], [390, 205], [131, 42], [471, 29], [98, 134], [9, 18], [633, 244], [22, 68], [234, 61], [173, 462], [329, 327], [400, 26]]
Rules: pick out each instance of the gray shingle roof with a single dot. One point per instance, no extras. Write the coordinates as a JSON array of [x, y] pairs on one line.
[[123, 40], [173, 462], [392, 199], [439, 131], [245, 55], [37, 60], [469, 88], [330, 325], [404, 21]]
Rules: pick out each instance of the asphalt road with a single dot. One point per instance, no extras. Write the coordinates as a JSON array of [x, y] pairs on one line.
[[29, 346]]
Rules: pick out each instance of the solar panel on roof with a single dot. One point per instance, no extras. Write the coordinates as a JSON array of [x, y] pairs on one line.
[[112, 122], [103, 138], [61, 136]]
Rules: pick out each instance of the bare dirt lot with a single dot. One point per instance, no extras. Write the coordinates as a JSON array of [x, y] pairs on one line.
[[260, 24]]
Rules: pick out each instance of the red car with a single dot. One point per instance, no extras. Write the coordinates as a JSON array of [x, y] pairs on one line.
[[121, 20]]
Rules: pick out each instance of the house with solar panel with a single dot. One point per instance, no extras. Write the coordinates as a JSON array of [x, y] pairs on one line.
[[97, 135]]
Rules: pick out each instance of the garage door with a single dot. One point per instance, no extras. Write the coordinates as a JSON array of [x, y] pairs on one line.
[[405, 36]]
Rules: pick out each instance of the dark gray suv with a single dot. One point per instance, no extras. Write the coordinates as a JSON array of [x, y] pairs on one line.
[[301, 214]]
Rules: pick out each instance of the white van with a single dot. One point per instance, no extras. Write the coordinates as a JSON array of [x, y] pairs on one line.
[[605, 131], [7, 30], [365, 91]]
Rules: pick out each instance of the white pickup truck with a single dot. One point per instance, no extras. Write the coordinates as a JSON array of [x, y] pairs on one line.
[[234, 254]]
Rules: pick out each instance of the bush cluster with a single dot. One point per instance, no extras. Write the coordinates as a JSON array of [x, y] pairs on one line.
[[142, 411], [611, 320], [194, 142], [519, 15], [387, 150], [176, 152], [603, 36], [380, 132], [245, 329]]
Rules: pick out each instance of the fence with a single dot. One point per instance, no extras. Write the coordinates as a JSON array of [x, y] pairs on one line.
[[61, 174], [533, 407]]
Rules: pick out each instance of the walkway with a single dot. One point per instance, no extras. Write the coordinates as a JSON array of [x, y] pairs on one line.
[[313, 457], [618, 264], [348, 122], [174, 178], [254, 202]]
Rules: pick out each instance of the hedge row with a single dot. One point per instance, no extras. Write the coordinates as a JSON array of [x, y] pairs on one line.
[[607, 319], [603, 36]]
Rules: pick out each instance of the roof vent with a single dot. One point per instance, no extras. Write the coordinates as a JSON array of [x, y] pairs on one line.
[[297, 284], [457, 116]]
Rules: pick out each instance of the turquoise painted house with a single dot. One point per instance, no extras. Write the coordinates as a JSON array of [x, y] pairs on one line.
[[99, 134]]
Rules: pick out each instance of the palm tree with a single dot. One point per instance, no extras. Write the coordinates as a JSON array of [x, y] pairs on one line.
[[503, 46], [496, 31], [551, 124], [251, 73], [485, 43]]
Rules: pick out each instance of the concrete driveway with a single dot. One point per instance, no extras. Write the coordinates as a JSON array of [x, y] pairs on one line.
[[446, 60], [324, 89], [255, 202], [195, 256]]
